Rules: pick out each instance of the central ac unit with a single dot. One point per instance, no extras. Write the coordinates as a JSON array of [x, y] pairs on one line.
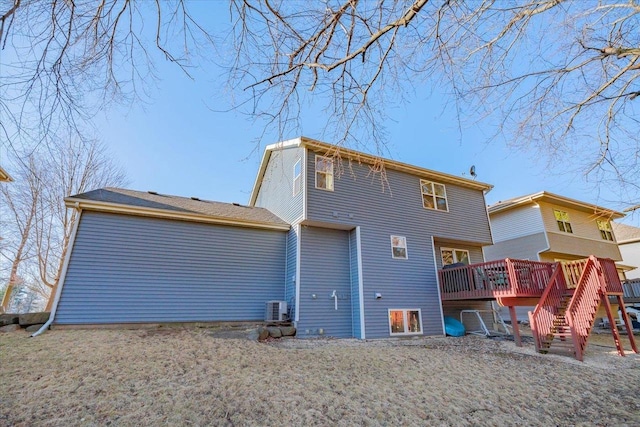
[[276, 311]]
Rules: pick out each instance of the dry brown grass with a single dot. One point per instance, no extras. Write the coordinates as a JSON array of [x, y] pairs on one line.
[[188, 377]]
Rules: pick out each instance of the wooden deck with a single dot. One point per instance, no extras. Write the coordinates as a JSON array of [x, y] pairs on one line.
[[507, 278]]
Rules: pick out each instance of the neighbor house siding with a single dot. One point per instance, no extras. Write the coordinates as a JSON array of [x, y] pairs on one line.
[[631, 256], [565, 243], [136, 269], [325, 267], [583, 224], [276, 189], [525, 247], [517, 222]]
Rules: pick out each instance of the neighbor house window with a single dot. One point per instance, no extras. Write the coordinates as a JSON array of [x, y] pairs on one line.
[[399, 247], [324, 173], [297, 177], [405, 321], [605, 230], [434, 195], [453, 256], [562, 218]]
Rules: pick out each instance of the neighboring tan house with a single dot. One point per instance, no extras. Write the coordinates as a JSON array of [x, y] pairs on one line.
[[353, 250], [628, 238], [548, 227], [4, 176]]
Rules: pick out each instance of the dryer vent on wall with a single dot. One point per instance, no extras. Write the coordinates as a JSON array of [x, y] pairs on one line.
[[276, 311]]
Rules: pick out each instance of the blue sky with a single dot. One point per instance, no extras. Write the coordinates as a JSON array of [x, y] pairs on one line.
[[182, 142]]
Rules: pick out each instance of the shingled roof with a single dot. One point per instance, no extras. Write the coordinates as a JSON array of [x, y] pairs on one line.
[[154, 204], [625, 233]]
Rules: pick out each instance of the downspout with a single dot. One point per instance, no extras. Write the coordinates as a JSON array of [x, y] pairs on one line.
[[63, 274]]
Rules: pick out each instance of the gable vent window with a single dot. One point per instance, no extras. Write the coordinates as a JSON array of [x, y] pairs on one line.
[[399, 247], [297, 177], [324, 173], [605, 230], [434, 196], [562, 218]]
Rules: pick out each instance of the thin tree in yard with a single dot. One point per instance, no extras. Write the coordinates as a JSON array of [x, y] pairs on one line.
[[57, 170], [558, 77]]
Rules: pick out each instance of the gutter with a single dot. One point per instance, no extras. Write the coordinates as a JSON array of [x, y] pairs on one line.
[[63, 275]]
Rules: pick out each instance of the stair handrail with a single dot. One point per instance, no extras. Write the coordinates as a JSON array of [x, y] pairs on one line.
[[541, 321], [580, 313]]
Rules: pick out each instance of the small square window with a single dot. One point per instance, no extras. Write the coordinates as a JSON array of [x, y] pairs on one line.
[[405, 321], [562, 219], [605, 230], [399, 247], [324, 173], [434, 195], [297, 177]]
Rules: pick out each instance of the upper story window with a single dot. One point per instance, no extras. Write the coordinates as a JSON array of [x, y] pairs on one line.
[[453, 256], [562, 218], [399, 247], [297, 177], [605, 230], [324, 173], [434, 195]]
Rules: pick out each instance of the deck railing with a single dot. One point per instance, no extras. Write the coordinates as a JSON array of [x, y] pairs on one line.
[[495, 279]]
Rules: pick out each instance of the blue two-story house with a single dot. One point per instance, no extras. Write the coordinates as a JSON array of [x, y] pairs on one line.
[[351, 242]]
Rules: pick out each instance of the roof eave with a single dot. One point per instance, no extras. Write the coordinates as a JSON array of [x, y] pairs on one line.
[[558, 200], [99, 206]]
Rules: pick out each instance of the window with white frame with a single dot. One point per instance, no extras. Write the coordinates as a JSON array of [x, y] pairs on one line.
[[324, 173], [605, 230], [399, 247], [405, 321], [434, 195], [453, 256], [297, 177], [562, 218]]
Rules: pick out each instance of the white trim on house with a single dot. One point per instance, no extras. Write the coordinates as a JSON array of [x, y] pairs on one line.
[[63, 275], [110, 207], [435, 266], [326, 174], [405, 312], [305, 189], [360, 282], [298, 252]]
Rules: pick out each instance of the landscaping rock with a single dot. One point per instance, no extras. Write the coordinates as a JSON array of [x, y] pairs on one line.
[[274, 332], [34, 328], [263, 334], [288, 331], [10, 328], [27, 319], [9, 319]]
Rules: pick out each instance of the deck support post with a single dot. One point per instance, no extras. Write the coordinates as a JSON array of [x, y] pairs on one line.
[[627, 323], [612, 323], [514, 326]]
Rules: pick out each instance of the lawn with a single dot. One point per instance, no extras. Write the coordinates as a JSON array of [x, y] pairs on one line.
[[178, 376]]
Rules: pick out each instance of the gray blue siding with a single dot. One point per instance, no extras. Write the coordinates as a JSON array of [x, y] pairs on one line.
[[276, 191], [394, 207], [325, 267], [290, 275], [136, 269]]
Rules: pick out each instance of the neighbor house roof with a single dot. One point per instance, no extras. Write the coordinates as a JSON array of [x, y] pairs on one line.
[[118, 200], [625, 233], [544, 196], [347, 153], [4, 176]]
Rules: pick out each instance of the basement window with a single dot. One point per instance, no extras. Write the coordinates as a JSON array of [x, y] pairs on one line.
[[406, 321], [562, 218], [434, 196], [297, 177], [324, 173], [605, 230]]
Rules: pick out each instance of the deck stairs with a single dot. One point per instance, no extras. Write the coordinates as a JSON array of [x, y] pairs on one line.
[[566, 312]]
